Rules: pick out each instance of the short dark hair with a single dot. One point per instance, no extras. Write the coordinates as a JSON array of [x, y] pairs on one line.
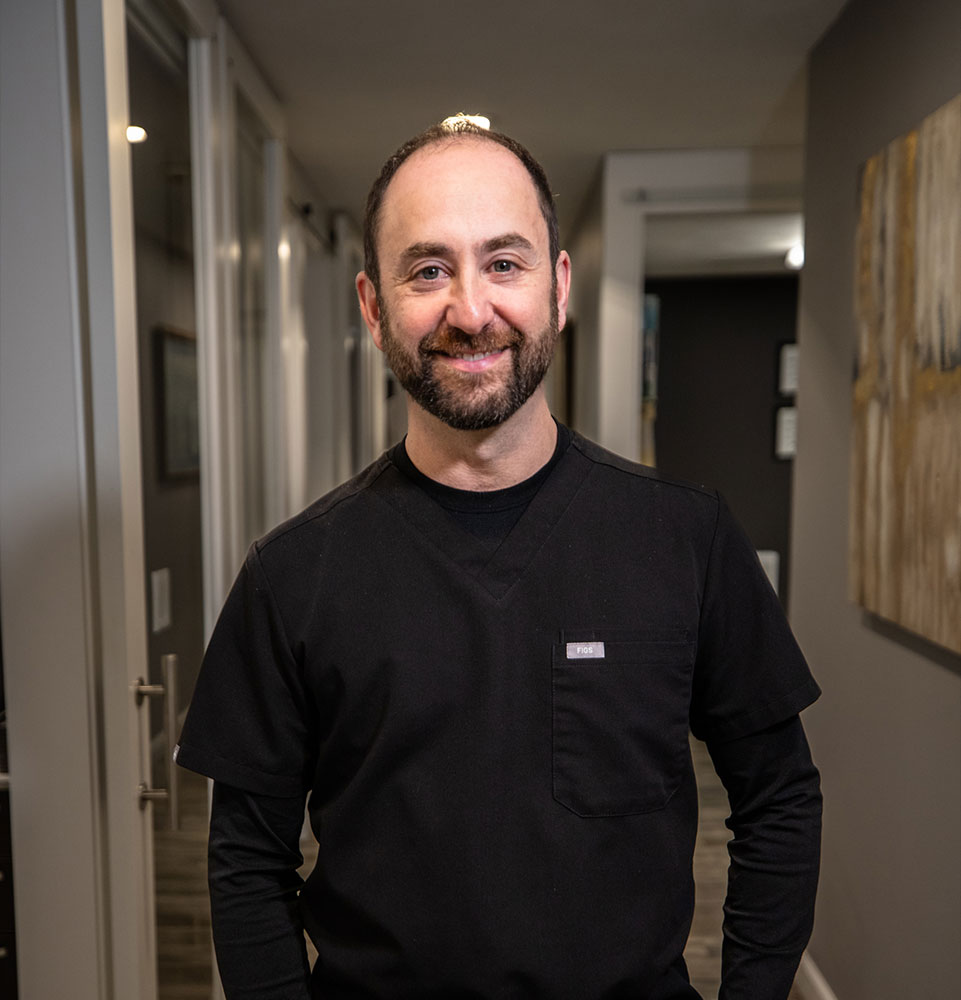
[[452, 129]]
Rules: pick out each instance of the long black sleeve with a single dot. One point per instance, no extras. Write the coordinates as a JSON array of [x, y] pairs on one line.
[[253, 857], [774, 791]]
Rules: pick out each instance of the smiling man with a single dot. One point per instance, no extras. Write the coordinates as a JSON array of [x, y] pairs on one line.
[[468, 315], [465, 292], [480, 660]]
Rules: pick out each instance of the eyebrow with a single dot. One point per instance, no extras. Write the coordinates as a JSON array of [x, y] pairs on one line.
[[507, 241], [425, 249]]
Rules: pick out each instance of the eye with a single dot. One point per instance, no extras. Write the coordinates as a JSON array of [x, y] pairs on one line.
[[429, 273], [503, 266]]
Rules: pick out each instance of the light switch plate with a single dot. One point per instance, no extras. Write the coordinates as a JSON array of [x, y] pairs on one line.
[[160, 599]]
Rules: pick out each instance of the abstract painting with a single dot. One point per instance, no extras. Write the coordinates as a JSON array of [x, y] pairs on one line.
[[905, 557]]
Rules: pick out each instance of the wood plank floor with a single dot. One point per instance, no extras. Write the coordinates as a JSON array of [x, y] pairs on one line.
[[703, 952], [184, 948], [183, 915]]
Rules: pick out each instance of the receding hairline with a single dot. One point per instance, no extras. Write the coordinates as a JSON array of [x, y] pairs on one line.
[[440, 136], [445, 142]]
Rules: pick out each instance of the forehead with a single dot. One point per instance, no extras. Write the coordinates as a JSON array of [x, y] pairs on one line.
[[465, 189]]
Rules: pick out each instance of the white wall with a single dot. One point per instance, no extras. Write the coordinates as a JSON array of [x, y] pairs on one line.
[[586, 247], [887, 731], [42, 540]]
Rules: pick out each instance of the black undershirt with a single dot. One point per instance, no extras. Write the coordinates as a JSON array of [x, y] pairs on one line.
[[490, 514]]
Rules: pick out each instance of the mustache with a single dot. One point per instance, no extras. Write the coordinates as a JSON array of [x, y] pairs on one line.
[[453, 340]]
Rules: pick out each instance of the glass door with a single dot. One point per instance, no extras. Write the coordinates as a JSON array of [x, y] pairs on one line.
[[170, 441]]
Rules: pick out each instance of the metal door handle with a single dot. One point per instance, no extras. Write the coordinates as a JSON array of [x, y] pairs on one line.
[[148, 794], [167, 691]]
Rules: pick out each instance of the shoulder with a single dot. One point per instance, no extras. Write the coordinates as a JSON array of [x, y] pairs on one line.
[[644, 508], [349, 500], [643, 479]]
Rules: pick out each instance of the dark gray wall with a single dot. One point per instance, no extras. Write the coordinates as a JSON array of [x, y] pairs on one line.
[[887, 731], [720, 340]]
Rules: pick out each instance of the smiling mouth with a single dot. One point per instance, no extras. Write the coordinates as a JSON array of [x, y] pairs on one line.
[[473, 362], [477, 357]]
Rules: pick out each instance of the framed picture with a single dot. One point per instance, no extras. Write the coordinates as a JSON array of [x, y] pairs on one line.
[[178, 423], [785, 432], [787, 381], [906, 396]]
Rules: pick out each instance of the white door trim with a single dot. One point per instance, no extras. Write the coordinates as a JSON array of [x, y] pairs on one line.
[[212, 273], [116, 485]]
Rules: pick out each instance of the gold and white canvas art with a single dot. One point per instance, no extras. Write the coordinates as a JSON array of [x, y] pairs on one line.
[[906, 446]]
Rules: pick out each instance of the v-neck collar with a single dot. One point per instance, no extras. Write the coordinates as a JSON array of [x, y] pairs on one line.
[[499, 570]]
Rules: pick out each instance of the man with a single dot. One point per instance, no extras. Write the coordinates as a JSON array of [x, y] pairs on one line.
[[481, 658]]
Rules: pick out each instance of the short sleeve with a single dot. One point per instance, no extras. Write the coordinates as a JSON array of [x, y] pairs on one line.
[[249, 723], [749, 673]]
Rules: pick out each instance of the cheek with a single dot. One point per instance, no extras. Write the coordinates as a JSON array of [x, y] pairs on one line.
[[530, 312], [411, 321]]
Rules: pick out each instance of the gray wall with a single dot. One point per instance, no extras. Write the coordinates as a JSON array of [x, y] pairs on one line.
[[717, 388], [886, 733]]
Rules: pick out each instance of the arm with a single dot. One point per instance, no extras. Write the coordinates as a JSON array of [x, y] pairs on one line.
[[253, 858], [773, 789]]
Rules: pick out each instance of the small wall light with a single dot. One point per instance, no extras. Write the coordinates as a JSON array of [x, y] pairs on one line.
[[135, 133], [794, 258]]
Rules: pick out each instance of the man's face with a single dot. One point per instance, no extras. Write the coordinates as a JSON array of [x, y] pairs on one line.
[[470, 307]]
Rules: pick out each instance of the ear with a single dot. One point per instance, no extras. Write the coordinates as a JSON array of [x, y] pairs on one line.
[[562, 272], [369, 307]]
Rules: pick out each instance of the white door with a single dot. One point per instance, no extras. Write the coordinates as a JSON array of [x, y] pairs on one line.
[[71, 534]]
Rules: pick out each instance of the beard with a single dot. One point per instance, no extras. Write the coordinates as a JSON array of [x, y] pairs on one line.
[[472, 401]]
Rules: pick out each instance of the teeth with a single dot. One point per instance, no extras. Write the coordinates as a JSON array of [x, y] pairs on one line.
[[476, 357]]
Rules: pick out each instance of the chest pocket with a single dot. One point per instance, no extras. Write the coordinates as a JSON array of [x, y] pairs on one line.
[[620, 721]]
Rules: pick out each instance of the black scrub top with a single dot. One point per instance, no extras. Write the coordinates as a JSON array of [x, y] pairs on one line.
[[495, 743]]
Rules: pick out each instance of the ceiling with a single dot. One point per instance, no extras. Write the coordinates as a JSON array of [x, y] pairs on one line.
[[570, 80]]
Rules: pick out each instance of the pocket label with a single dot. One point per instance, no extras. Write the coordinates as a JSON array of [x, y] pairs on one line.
[[585, 650]]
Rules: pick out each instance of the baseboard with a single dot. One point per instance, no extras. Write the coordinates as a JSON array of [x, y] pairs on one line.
[[810, 983]]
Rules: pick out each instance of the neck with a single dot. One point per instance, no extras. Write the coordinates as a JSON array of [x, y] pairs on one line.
[[491, 459]]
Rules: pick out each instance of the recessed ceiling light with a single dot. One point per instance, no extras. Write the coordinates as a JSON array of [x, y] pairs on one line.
[[794, 258]]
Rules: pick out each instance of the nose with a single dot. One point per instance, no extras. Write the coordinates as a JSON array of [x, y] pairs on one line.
[[469, 307]]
